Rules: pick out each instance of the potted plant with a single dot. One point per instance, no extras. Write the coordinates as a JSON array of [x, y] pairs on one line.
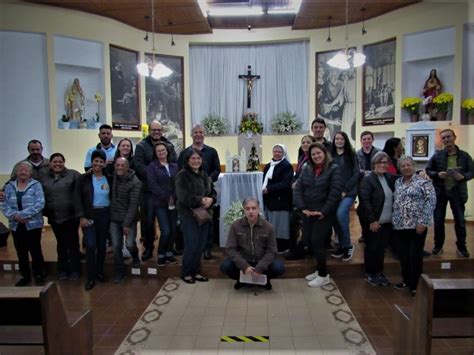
[[286, 122], [442, 103], [65, 121], [214, 125], [412, 106], [250, 125], [468, 106]]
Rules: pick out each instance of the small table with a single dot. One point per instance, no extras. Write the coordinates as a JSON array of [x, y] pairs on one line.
[[236, 187]]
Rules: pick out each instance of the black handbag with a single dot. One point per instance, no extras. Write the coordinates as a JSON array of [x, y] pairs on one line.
[[4, 233], [201, 215]]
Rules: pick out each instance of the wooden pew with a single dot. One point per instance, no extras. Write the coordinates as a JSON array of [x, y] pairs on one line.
[[35, 316], [444, 308]]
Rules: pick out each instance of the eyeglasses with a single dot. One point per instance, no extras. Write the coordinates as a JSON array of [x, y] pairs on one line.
[[384, 162]]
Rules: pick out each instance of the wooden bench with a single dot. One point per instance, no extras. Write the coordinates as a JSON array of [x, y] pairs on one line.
[[35, 317], [444, 308]]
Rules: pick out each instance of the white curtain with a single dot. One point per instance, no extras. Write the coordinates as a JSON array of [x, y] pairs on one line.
[[283, 84]]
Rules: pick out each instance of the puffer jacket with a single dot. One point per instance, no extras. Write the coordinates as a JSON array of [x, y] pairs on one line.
[[32, 203], [125, 199], [256, 245], [62, 195], [191, 187], [349, 170], [318, 193]]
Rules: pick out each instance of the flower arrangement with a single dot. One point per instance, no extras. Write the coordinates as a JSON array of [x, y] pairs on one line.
[[412, 104], [249, 123], [468, 106], [233, 213], [144, 131], [442, 101], [286, 122], [98, 98], [214, 124]]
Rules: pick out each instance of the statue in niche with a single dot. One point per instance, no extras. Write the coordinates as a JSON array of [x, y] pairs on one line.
[[75, 101], [432, 88], [253, 163]]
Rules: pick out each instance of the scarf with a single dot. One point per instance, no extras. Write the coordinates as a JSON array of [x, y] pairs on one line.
[[274, 163]]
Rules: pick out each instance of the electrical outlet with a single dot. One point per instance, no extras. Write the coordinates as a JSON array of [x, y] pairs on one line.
[[445, 266], [136, 271], [7, 267], [152, 271]]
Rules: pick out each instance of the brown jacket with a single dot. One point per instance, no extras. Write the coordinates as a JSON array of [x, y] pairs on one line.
[[252, 245]]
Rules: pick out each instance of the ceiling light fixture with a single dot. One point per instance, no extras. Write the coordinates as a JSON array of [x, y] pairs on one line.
[[146, 21], [223, 10], [158, 70], [363, 21], [329, 29], [347, 59]]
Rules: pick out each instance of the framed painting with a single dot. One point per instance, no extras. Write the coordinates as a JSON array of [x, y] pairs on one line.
[[335, 96], [124, 88], [420, 141], [379, 83], [165, 97]]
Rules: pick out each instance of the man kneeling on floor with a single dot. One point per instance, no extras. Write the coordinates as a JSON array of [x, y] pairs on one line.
[[251, 247]]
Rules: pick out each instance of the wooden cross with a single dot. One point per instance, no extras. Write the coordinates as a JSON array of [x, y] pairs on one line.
[[249, 78]]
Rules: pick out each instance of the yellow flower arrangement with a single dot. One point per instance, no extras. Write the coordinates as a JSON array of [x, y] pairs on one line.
[[442, 101], [144, 131], [468, 106], [97, 97], [411, 104]]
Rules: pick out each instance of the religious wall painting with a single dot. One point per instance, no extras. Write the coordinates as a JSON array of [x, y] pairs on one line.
[[379, 83], [165, 98], [124, 88], [335, 96], [419, 146]]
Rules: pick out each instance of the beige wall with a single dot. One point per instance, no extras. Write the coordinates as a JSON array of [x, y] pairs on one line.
[[419, 17]]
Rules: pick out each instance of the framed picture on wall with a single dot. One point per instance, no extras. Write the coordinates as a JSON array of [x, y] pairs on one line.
[[165, 97], [124, 88], [335, 96], [419, 146], [379, 83]]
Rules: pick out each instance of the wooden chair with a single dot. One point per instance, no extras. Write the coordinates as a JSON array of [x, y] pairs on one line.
[[444, 308], [35, 316]]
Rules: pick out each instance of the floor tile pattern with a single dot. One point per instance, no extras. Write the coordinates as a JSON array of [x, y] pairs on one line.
[[191, 319]]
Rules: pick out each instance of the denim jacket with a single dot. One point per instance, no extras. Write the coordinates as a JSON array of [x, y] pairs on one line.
[[413, 204], [32, 202]]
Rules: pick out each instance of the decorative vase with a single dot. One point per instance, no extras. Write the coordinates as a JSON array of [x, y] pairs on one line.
[[249, 134], [441, 116], [414, 117], [470, 118], [65, 125]]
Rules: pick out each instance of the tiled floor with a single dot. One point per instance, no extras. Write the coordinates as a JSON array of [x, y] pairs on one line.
[[191, 319]]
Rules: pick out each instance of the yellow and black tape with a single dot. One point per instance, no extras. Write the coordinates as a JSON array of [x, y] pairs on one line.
[[245, 339]]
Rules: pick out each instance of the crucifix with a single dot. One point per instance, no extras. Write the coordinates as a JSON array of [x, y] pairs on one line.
[[249, 78]]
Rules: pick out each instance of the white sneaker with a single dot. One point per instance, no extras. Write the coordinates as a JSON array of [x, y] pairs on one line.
[[312, 276], [319, 281]]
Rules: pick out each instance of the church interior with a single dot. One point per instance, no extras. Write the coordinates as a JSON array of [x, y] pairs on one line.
[[67, 67]]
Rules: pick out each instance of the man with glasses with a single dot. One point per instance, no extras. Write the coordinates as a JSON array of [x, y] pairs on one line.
[[450, 170], [144, 155]]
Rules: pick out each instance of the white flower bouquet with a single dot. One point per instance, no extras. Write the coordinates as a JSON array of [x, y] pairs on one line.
[[214, 124], [233, 213], [286, 122]]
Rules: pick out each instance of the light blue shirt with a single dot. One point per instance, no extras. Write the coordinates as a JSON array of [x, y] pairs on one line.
[[101, 192], [109, 153]]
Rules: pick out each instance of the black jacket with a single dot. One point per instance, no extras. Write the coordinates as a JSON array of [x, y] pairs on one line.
[[210, 161], [372, 197], [439, 162], [349, 169], [191, 187], [318, 193], [87, 194], [279, 195]]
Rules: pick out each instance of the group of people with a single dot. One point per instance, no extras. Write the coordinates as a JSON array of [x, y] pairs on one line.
[[121, 186]]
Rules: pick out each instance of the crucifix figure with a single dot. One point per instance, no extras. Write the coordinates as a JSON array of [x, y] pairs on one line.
[[249, 78]]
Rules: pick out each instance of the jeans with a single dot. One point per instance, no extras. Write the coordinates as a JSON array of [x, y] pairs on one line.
[[411, 255], [319, 229], [275, 269], [29, 241], [167, 220], [195, 237], [375, 244], [95, 236], [342, 225], [67, 237], [147, 221], [457, 207], [116, 232]]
